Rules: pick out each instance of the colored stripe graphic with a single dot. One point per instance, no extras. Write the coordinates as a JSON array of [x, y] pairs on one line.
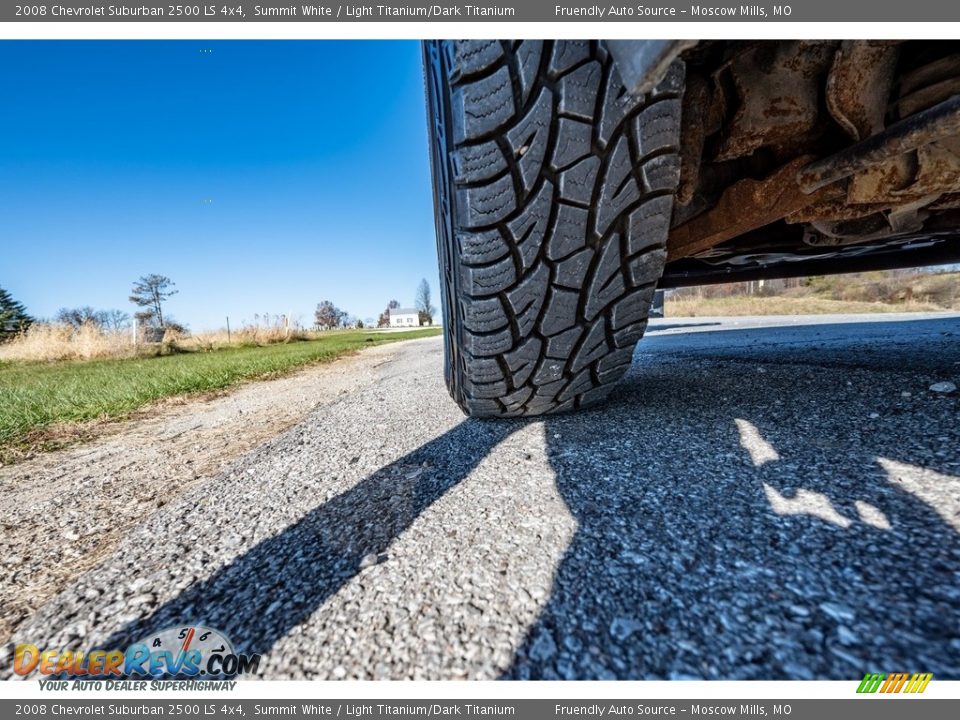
[[870, 683], [894, 682], [918, 683]]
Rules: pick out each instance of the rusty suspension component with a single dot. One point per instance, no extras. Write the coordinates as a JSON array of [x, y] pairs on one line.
[[746, 205], [885, 184], [942, 120]]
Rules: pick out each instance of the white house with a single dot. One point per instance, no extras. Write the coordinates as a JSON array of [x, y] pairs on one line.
[[404, 317]]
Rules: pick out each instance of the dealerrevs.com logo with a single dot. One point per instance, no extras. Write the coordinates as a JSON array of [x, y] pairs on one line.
[[191, 651]]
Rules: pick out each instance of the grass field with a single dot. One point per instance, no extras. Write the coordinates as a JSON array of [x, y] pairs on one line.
[[779, 305], [869, 292], [35, 396]]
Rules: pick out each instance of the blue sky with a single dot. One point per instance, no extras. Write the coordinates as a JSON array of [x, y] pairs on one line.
[[313, 157]]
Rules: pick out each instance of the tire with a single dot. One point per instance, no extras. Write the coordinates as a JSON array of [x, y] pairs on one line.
[[553, 191]]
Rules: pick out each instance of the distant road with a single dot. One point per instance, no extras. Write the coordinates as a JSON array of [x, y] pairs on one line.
[[762, 498]]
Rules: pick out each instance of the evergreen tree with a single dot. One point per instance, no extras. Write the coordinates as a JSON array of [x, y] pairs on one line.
[[13, 316]]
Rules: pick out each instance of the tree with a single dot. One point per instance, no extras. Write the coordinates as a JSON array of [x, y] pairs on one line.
[[13, 316], [328, 315], [150, 292], [115, 320], [80, 316], [423, 303], [384, 319]]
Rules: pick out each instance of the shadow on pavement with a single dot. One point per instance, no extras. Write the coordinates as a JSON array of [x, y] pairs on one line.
[[333, 543], [731, 524], [695, 559]]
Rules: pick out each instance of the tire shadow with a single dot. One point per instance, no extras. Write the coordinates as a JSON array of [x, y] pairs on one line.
[[720, 534], [299, 568], [745, 524]]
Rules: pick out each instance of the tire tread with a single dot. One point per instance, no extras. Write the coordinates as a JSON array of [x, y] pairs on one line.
[[554, 194]]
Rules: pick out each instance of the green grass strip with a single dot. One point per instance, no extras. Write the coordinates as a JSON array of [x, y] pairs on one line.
[[35, 395]]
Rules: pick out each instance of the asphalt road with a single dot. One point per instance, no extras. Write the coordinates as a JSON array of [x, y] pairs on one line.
[[763, 498]]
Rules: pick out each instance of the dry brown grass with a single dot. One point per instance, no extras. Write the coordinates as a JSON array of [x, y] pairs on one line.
[[53, 342], [779, 305], [244, 337]]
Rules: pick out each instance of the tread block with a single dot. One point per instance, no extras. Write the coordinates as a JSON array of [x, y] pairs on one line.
[[632, 308], [527, 319], [578, 91], [470, 56], [550, 370], [529, 252], [628, 336], [559, 346], [661, 173], [618, 167], [530, 292], [570, 272], [523, 360], [473, 163], [539, 405], [529, 139], [488, 279], [514, 400], [577, 182], [594, 346], [490, 391], [657, 127], [611, 210], [484, 370], [484, 315], [561, 311], [649, 224], [572, 144], [531, 224], [610, 376], [580, 383], [616, 359], [487, 204], [481, 247], [549, 391], [569, 231], [604, 297], [566, 53], [545, 397], [607, 282], [646, 268], [481, 106], [528, 64], [527, 352], [618, 190], [481, 408], [488, 345], [617, 104]]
